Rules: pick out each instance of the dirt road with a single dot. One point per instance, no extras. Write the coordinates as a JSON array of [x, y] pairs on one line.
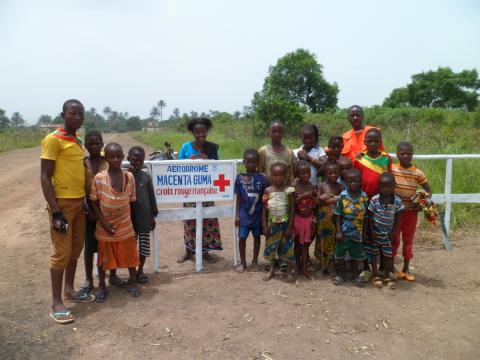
[[220, 314]]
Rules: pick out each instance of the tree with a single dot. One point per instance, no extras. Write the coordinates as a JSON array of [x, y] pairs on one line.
[[441, 88], [44, 120], [237, 114], [161, 104], [154, 113], [107, 111], [176, 113], [17, 119], [298, 77], [133, 123], [4, 120]]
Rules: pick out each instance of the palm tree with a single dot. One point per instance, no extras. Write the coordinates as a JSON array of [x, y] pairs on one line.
[[161, 104], [154, 113], [17, 119], [107, 111]]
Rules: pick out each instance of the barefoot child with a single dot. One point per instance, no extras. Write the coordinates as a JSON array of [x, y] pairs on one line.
[[276, 152], [327, 195], [303, 226], [277, 216], [249, 187], [144, 209], [349, 218], [310, 151], [407, 179], [112, 192], [383, 214], [94, 163]]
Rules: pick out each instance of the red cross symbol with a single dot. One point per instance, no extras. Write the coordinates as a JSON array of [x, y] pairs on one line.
[[221, 182]]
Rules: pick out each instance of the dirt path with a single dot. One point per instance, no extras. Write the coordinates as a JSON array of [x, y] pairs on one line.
[[223, 315]]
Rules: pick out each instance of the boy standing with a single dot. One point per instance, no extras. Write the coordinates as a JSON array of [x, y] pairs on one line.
[[407, 179], [144, 209]]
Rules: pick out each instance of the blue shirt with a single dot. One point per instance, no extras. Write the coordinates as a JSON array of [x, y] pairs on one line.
[[384, 215], [188, 150], [352, 210], [251, 188]]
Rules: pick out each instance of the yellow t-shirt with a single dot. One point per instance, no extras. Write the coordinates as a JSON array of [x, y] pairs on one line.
[[69, 173]]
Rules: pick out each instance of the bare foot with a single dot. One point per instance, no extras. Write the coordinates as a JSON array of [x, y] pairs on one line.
[[185, 257], [270, 274], [291, 276], [255, 266], [209, 258], [240, 268], [306, 273]]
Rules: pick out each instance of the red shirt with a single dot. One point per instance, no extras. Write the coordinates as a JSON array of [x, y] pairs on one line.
[[354, 142]]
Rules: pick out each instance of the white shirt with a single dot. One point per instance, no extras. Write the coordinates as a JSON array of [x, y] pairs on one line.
[[315, 153]]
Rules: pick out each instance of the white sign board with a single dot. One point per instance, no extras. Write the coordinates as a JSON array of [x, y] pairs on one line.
[[179, 181]]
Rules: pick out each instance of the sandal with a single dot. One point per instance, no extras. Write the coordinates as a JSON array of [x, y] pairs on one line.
[[82, 297], [135, 292], [142, 278], [390, 283], [62, 317], [400, 275], [101, 296], [338, 280], [359, 281], [117, 282], [410, 277], [86, 287], [377, 282]]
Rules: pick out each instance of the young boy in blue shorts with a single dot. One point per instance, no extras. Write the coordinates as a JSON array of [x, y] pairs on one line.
[[349, 215], [383, 214], [249, 187]]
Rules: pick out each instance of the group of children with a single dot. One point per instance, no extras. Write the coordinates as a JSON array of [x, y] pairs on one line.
[[121, 210], [356, 215]]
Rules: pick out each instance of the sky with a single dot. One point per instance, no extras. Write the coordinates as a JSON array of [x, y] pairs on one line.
[[214, 54]]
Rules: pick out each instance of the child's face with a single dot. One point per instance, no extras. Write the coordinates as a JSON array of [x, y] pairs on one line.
[[136, 159], [251, 162], [94, 145], [355, 117], [276, 132], [372, 141], [304, 173], [200, 133], [332, 173], [308, 140], [345, 164], [336, 147], [386, 186], [405, 155], [114, 158], [278, 175], [354, 182], [74, 116]]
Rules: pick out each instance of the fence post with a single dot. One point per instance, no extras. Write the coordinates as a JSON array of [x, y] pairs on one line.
[[448, 203], [199, 237]]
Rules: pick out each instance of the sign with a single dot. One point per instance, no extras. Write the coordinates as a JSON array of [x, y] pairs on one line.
[[179, 181]]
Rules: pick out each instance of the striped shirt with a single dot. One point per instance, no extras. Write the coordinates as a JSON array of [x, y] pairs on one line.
[[115, 206], [384, 215], [406, 182]]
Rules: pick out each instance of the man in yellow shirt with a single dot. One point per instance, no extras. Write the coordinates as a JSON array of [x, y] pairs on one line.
[[62, 178]]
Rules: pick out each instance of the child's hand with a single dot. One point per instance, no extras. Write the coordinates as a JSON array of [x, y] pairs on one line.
[[237, 221], [266, 230], [391, 237], [359, 155], [302, 154], [91, 216], [153, 223], [132, 169], [203, 156], [59, 222], [109, 228], [339, 236]]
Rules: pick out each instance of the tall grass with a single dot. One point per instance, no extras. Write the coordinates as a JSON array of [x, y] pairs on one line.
[[432, 131], [20, 138]]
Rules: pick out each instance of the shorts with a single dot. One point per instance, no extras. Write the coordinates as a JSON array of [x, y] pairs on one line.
[[243, 231], [68, 246], [91, 243], [354, 249], [143, 240], [381, 246]]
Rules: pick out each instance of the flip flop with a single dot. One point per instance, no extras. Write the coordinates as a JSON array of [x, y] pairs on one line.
[[377, 282], [62, 317], [135, 292], [338, 280], [117, 282], [410, 277], [101, 296], [390, 283], [86, 287], [82, 297], [142, 278]]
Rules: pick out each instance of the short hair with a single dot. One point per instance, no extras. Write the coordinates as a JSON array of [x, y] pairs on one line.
[[279, 165], [375, 130], [353, 172], [344, 159], [113, 146], [330, 165], [69, 102], [93, 133], [404, 144], [353, 107], [388, 176], [199, 121], [139, 149], [275, 122], [302, 164], [334, 138], [307, 128], [249, 152]]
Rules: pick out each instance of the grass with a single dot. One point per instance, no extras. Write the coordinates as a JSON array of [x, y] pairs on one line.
[[428, 136], [20, 138]]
